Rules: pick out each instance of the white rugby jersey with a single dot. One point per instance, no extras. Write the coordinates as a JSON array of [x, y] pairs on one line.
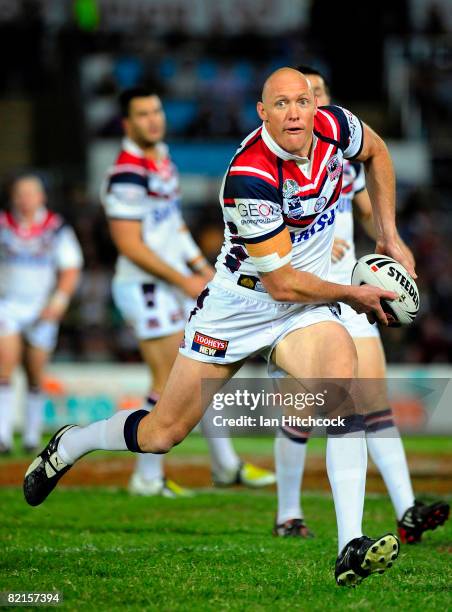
[[30, 257], [266, 189], [353, 181], [145, 190]]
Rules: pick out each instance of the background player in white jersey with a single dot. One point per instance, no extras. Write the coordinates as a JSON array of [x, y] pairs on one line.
[[283, 178], [160, 270], [383, 438], [40, 261]]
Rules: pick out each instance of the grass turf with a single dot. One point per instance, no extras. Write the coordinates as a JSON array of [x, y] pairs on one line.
[[105, 550], [195, 444]]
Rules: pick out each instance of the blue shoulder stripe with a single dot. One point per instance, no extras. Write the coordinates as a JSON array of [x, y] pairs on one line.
[[128, 177], [258, 239], [343, 124], [250, 187]]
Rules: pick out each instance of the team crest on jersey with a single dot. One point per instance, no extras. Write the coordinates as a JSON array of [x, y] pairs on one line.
[[206, 345], [334, 167], [320, 204], [290, 188], [293, 207]]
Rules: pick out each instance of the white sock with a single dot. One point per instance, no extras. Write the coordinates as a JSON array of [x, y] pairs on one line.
[[389, 456], [6, 414], [149, 466], [289, 463], [107, 434], [34, 413], [222, 454], [346, 463]]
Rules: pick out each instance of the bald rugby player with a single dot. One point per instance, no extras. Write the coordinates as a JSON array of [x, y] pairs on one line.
[[268, 297]]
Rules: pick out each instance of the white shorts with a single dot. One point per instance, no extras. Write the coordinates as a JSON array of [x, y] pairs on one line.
[[230, 324], [19, 318], [153, 309], [356, 324]]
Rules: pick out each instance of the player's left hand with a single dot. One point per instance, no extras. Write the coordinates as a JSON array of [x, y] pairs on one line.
[[394, 250], [208, 273], [339, 249], [52, 313]]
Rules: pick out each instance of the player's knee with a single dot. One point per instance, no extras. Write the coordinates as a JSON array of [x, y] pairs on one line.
[[161, 441], [176, 434], [345, 357]]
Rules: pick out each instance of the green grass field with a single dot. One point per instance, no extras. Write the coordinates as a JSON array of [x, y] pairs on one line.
[[105, 550], [196, 445]]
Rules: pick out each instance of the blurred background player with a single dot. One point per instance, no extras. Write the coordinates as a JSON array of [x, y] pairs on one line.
[[40, 262], [160, 270], [383, 438]]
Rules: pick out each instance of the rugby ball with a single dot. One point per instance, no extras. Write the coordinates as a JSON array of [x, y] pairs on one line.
[[384, 272]]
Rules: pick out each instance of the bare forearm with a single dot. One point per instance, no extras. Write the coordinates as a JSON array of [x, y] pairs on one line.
[[67, 281], [303, 287], [150, 262], [58, 301], [367, 223], [380, 181]]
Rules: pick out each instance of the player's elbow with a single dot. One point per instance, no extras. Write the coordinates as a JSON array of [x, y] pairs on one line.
[[278, 284], [282, 294], [377, 149]]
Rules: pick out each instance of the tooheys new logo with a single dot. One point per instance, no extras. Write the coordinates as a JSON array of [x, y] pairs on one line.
[[206, 345]]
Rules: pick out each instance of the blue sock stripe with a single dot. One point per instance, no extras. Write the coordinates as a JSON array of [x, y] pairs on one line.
[[378, 420], [378, 414], [373, 427], [352, 424], [131, 430], [296, 434]]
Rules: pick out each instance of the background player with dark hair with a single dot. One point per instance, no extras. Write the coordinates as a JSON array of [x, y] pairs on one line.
[[160, 270]]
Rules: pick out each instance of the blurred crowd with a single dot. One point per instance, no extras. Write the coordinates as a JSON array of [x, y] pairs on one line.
[[68, 60]]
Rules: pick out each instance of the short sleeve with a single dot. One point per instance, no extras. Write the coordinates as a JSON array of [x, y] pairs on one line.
[[68, 253], [252, 203], [124, 195], [351, 132]]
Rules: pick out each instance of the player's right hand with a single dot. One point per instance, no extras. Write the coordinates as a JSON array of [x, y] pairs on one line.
[[193, 285], [398, 253], [339, 249], [366, 299]]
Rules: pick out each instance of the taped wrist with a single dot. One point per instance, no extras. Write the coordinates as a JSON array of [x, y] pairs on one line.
[[199, 264], [59, 299]]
